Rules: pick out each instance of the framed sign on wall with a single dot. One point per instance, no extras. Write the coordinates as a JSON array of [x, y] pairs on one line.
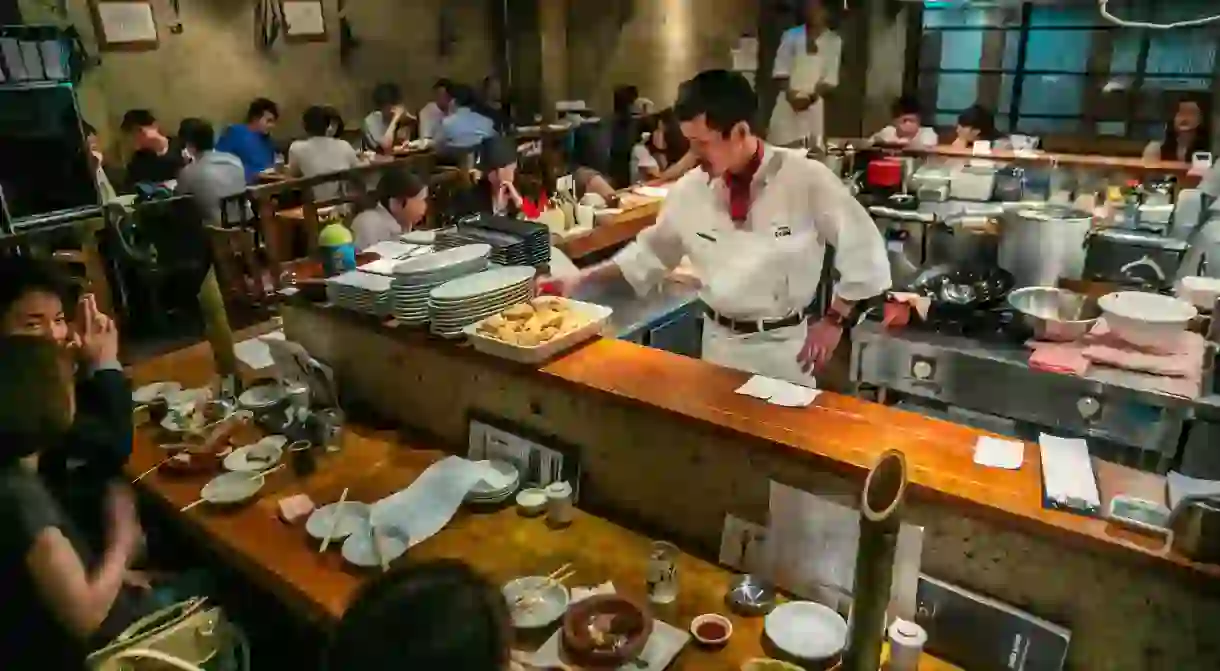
[[124, 25], [304, 21]]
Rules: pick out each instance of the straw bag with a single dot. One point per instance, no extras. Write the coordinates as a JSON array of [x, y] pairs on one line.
[[184, 636]]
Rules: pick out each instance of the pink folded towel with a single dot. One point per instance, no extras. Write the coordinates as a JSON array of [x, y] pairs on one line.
[[1058, 357], [1180, 357]]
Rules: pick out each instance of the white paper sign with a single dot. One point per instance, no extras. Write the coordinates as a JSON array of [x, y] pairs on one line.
[[127, 21], [304, 17]]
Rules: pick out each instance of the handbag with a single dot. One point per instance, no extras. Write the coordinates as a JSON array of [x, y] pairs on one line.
[[184, 636]]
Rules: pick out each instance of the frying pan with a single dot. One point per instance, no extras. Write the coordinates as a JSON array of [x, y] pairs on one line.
[[963, 288]]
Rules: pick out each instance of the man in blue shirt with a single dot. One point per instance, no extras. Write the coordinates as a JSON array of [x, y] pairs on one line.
[[251, 141], [465, 129]]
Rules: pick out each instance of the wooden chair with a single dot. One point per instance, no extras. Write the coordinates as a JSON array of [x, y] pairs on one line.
[[246, 281]]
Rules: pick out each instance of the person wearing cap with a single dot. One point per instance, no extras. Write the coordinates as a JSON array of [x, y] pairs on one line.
[[496, 190], [755, 221], [402, 202]]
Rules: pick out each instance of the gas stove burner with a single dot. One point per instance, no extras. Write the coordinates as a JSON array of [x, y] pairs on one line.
[[998, 325]]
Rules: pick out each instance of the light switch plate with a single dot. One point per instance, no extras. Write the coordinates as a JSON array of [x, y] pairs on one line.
[[743, 545]]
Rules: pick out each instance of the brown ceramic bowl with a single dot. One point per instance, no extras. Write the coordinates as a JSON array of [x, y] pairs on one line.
[[617, 613]]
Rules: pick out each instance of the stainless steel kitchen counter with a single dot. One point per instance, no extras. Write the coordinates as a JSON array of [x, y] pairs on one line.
[[633, 313]]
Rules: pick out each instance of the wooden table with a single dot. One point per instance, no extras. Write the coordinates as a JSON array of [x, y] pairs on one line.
[[501, 544]]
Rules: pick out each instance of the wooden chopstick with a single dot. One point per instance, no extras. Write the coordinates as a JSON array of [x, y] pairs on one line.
[[269, 471], [561, 569], [188, 506], [555, 578], [334, 521], [159, 465]]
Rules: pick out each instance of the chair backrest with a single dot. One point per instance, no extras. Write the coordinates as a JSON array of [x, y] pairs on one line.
[[245, 280]]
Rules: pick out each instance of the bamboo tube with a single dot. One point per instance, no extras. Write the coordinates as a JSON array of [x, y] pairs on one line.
[[880, 519], [216, 325]]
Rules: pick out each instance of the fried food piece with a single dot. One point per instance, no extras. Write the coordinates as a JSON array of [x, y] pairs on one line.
[[548, 333], [549, 303], [551, 319], [528, 338], [519, 312]]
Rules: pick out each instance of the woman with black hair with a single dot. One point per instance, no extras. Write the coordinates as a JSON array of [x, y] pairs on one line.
[[62, 598], [437, 615], [665, 155], [402, 203], [321, 153], [976, 123], [1189, 132], [496, 191]]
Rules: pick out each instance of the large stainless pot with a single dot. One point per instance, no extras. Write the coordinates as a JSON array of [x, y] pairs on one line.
[[965, 240], [1042, 242]]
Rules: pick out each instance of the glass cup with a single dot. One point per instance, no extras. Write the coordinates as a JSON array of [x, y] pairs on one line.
[[663, 572]]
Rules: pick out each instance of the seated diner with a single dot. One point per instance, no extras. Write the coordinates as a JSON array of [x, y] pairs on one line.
[[1187, 133], [402, 203], [251, 141], [907, 129], [321, 152]]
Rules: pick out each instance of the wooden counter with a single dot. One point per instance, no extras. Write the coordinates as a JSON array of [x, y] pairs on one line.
[[498, 543], [666, 444]]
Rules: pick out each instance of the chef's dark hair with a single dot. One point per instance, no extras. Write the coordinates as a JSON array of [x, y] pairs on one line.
[[136, 119], [260, 106], [434, 615], [904, 105], [197, 133], [35, 396], [724, 98], [21, 275], [400, 184]]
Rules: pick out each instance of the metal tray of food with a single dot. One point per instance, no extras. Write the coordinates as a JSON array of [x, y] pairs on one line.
[[591, 320]]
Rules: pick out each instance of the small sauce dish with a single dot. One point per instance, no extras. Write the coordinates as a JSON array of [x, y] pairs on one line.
[[531, 502], [711, 630]]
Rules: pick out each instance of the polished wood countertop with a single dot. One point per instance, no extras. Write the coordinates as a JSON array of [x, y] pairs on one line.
[[500, 543], [845, 435]]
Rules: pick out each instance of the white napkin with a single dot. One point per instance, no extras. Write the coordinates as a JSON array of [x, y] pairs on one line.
[[582, 593], [999, 453], [778, 392], [493, 478]]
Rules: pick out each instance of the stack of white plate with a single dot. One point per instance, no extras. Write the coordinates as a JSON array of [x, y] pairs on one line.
[[469, 299], [486, 494], [360, 291], [415, 278]]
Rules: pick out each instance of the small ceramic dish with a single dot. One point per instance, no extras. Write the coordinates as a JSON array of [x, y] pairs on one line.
[[353, 518], [605, 630], [258, 456], [531, 502], [369, 550], [711, 629], [535, 601], [232, 488], [150, 392]]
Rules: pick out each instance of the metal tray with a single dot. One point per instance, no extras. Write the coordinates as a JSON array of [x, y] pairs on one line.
[[597, 316]]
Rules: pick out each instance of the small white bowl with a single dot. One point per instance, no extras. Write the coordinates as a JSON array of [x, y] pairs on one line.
[[258, 456], [549, 601], [531, 502], [1202, 292], [713, 618]]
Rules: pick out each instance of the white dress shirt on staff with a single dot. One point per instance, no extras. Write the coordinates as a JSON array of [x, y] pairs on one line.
[[804, 71]]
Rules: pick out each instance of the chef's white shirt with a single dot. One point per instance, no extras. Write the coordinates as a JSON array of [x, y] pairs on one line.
[[770, 266]]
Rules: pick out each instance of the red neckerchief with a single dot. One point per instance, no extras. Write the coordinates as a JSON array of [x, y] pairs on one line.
[[739, 187]]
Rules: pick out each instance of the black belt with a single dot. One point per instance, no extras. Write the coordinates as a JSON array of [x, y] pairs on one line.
[[756, 325]]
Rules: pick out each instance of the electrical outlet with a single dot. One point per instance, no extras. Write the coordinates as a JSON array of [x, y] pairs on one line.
[[743, 544]]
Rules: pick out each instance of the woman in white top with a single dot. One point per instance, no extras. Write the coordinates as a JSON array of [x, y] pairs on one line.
[[907, 130], [665, 155], [321, 153], [1187, 133], [806, 69]]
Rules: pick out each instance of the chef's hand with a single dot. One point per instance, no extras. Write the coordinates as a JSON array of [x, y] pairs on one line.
[[99, 338], [551, 285], [821, 339]]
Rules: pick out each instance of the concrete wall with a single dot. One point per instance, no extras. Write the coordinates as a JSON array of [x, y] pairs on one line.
[[212, 69]]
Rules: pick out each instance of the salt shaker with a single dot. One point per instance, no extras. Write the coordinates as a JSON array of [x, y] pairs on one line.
[[559, 503], [906, 645]]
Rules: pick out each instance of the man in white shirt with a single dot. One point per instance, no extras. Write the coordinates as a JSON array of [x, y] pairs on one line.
[[907, 130], [320, 153], [755, 221], [431, 116], [402, 203], [806, 69], [383, 128]]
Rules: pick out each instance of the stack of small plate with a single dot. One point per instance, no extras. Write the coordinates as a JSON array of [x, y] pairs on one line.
[[467, 300], [415, 278], [360, 291], [484, 493]]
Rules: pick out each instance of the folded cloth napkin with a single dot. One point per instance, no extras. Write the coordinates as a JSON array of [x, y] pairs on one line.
[[1058, 357]]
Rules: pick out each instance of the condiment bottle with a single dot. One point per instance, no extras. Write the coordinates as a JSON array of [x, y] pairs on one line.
[[559, 504], [906, 645]]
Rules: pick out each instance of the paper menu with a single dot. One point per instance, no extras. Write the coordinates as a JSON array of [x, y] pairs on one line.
[[1067, 473], [812, 542], [255, 352]]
